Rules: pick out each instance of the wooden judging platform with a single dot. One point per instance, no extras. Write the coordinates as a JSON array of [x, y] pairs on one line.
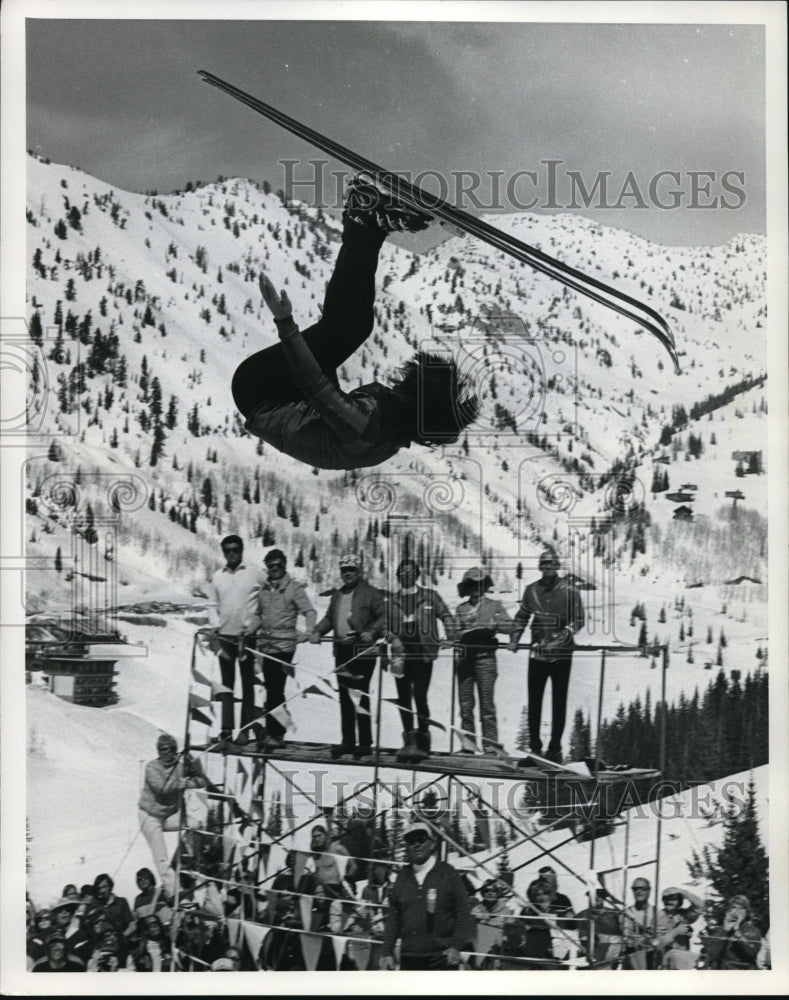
[[525, 768]]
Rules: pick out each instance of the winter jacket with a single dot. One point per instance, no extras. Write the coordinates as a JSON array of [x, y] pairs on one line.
[[279, 605], [549, 610], [160, 796], [732, 949], [330, 429], [368, 611], [477, 625], [449, 923], [413, 618]]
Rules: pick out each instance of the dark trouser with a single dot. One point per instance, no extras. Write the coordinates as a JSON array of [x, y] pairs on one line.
[[424, 963], [540, 671], [345, 324], [275, 677], [360, 673], [414, 684], [228, 654], [478, 670]]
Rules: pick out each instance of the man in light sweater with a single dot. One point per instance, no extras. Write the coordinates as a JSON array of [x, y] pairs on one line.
[[235, 589], [428, 909]]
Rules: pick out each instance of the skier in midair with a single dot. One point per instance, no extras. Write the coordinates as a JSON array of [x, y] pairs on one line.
[[289, 393]]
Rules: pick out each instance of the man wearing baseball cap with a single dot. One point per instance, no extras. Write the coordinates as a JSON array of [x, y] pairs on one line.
[[357, 618], [428, 908], [553, 608]]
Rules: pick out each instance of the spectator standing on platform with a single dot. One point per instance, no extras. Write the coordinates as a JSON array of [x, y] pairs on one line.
[[357, 617], [280, 602], [736, 942], [554, 609], [413, 613], [234, 592], [675, 928], [477, 621], [639, 923], [166, 778], [428, 909]]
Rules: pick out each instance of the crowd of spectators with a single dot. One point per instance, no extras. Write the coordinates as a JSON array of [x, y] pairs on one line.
[[327, 910]]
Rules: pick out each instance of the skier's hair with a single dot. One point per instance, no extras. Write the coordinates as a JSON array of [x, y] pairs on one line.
[[436, 398], [231, 540]]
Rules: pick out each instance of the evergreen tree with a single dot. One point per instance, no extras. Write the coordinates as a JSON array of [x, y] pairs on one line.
[[36, 331], [740, 866]]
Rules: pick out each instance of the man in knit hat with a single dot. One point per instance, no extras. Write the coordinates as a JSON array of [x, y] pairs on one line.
[[356, 617], [553, 608]]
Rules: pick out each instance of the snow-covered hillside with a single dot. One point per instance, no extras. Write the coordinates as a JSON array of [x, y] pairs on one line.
[[144, 306]]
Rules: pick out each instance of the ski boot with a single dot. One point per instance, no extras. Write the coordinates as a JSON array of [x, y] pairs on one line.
[[403, 755], [379, 211], [422, 747]]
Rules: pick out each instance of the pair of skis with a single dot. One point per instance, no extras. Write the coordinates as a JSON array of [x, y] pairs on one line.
[[415, 197]]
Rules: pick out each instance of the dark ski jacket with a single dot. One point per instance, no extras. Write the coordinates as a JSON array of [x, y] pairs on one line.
[[549, 611], [329, 429], [367, 611], [413, 618], [732, 949], [450, 925]]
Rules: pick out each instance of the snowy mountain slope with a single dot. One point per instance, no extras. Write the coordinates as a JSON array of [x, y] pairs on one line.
[[156, 296]]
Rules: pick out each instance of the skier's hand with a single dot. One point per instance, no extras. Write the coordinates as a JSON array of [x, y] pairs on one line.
[[279, 304], [452, 956], [387, 963], [367, 638], [315, 637], [512, 645]]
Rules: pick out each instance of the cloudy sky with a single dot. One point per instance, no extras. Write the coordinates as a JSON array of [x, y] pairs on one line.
[[121, 99]]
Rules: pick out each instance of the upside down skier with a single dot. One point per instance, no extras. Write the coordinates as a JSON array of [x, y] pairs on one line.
[[289, 393]]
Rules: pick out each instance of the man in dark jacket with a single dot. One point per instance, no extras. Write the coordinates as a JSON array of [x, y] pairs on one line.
[[413, 613], [289, 393], [555, 611], [428, 909], [357, 618]]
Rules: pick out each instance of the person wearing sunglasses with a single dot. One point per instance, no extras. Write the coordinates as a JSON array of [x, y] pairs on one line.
[[429, 910]]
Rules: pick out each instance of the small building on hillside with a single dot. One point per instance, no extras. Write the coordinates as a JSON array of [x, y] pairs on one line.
[[683, 513]]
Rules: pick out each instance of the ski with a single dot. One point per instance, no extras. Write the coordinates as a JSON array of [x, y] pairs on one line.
[[415, 197]]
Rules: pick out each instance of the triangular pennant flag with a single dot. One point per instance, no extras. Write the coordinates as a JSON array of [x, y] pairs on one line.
[[339, 948], [359, 952], [218, 689], [196, 675], [255, 935], [314, 689], [299, 861], [283, 717], [577, 768], [356, 697], [199, 716], [264, 852], [256, 810], [311, 945], [305, 910], [198, 701], [242, 770]]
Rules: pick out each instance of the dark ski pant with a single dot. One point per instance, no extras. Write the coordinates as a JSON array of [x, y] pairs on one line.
[[478, 670], [360, 673], [540, 672], [414, 685], [346, 322], [229, 653], [274, 677]]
